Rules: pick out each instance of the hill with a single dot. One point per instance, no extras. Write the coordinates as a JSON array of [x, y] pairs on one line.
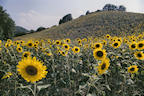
[[20, 31], [95, 24]]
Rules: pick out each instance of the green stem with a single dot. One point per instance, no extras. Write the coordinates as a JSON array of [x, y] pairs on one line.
[[35, 89]]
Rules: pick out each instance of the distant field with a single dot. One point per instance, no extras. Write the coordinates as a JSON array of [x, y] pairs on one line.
[[95, 24]]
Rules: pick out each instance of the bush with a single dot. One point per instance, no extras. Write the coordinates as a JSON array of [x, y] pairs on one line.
[[66, 18]]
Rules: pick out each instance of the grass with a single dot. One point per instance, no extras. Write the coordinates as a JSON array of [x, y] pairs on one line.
[[96, 24]]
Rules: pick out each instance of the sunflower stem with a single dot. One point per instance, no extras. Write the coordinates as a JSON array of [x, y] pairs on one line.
[[35, 89]]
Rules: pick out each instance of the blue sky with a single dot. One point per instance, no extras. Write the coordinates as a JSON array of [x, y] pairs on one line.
[[32, 14]]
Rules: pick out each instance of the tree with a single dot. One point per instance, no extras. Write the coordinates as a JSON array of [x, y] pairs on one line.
[[88, 12], [122, 8], [66, 18], [40, 29], [7, 25], [109, 7]]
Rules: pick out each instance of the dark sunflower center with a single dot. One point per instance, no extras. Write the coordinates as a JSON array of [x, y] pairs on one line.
[[139, 55], [25, 55], [115, 44], [19, 48], [31, 70], [103, 66], [63, 52], [133, 46], [132, 69], [66, 46], [107, 36], [76, 49], [99, 54], [67, 40], [57, 42], [97, 45], [30, 44], [140, 45]]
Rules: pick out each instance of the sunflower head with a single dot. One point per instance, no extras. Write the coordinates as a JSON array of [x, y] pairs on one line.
[[58, 42], [26, 54], [66, 46], [108, 36], [76, 49], [139, 55], [116, 44], [98, 45], [31, 70], [29, 44], [64, 53], [133, 45], [140, 45], [19, 49], [132, 69], [67, 40], [103, 66], [99, 54]]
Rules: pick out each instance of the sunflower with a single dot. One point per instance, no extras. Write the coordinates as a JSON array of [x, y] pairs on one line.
[[64, 53], [97, 45], [7, 45], [116, 44], [103, 66], [37, 42], [140, 45], [133, 69], [26, 54], [48, 53], [66, 46], [139, 55], [133, 45], [119, 39], [99, 54], [29, 44], [76, 49], [57, 42], [31, 70], [67, 40], [19, 49], [108, 36]]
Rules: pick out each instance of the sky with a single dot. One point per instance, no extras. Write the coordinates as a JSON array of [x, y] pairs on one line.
[[32, 14]]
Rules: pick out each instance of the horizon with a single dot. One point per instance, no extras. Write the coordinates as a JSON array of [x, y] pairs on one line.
[[32, 14]]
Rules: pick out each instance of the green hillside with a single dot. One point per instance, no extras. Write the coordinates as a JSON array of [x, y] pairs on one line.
[[95, 24]]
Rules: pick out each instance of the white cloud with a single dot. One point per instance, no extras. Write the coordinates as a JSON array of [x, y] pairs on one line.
[[33, 19]]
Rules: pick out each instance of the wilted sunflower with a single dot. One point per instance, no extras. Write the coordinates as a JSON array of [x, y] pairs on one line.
[[19, 49], [76, 49], [7, 75], [29, 44], [116, 44], [133, 45], [26, 54], [98, 45], [133, 69], [139, 55], [31, 70], [140, 45], [103, 66], [99, 54], [66, 46]]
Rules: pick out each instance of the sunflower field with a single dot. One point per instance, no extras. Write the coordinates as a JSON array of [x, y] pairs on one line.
[[104, 66]]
